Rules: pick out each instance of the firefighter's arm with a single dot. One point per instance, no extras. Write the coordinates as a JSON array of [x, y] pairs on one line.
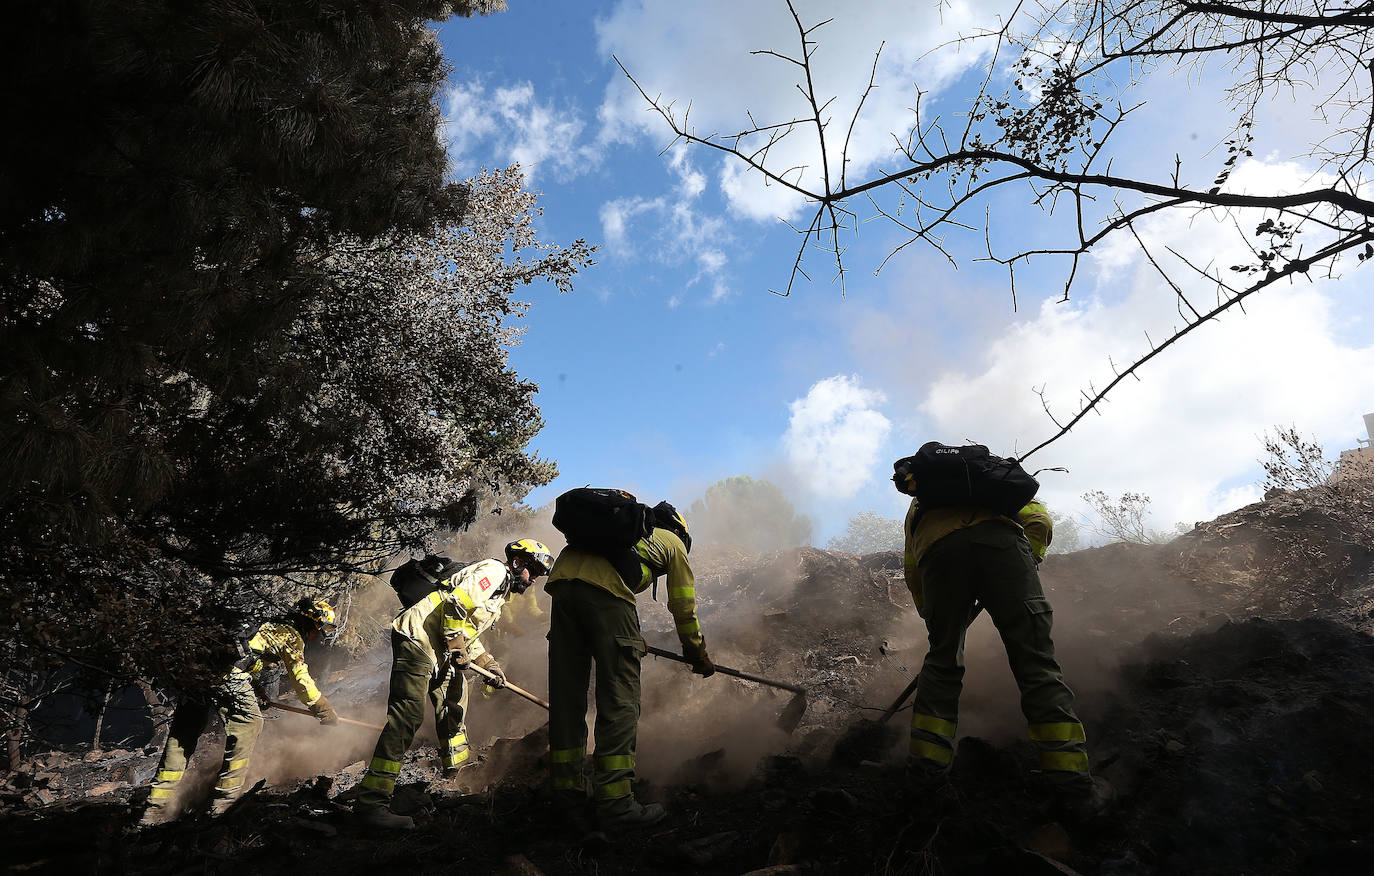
[[671, 554], [293, 661], [460, 632], [910, 569], [1035, 519]]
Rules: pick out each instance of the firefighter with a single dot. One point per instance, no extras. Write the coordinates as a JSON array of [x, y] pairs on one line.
[[235, 699], [431, 643], [957, 562], [594, 620]]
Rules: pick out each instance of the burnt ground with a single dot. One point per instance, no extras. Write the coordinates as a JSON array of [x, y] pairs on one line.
[[1228, 698]]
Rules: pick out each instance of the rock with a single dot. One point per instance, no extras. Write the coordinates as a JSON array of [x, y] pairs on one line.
[[774, 800], [517, 865], [105, 788], [785, 848], [833, 800], [93, 756], [319, 827], [40, 797], [708, 849], [1173, 746], [1052, 841]]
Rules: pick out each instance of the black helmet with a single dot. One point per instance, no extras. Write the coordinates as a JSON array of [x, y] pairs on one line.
[[667, 517]]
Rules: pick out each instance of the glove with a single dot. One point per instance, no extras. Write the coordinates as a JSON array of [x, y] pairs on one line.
[[322, 710], [488, 662], [700, 660], [458, 651]]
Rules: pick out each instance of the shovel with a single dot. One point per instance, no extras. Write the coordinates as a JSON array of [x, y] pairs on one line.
[[911, 688], [342, 720], [491, 676], [791, 714]]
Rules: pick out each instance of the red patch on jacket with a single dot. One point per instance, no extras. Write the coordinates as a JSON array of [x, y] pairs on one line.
[[485, 583]]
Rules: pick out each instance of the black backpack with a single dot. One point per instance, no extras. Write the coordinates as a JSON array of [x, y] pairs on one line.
[[605, 522], [967, 476], [417, 578]]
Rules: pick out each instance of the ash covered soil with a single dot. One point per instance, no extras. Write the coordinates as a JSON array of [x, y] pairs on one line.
[[1226, 682]]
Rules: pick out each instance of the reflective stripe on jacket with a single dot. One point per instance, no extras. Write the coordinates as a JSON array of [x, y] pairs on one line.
[[1035, 519], [661, 553], [467, 603], [282, 643]]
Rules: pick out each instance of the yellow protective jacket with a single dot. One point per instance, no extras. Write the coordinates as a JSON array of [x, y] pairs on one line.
[[661, 553], [468, 602], [281, 643], [937, 523]]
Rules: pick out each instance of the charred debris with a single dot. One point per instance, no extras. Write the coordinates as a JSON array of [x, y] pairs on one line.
[[1226, 679]]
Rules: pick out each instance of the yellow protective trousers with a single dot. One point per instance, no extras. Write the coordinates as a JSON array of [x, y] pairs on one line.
[[235, 703], [991, 564], [412, 676], [587, 624]]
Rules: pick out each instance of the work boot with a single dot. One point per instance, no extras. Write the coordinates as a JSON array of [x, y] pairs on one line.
[[635, 815], [221, 805], [380, 817], [1087, 801]]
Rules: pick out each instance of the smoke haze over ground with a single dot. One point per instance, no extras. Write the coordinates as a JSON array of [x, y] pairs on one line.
[[1192, 705]]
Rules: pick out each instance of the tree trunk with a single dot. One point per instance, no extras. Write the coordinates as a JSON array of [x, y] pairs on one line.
[[14, 737], [158, 712], [100, 716]]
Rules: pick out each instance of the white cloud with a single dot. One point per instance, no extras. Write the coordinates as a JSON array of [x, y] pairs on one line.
[[679, 227], [511, 124], [703, 59], [834, 435], [1188, 432]]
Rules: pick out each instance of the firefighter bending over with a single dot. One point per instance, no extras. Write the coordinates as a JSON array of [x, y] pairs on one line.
[[431, 642], [234, 699], [961, 557], [594, 620]]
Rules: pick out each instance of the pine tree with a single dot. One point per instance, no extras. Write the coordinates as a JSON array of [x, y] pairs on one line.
[[251, 333]]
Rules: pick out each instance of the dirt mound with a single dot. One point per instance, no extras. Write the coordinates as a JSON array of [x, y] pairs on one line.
[[1242, 751]]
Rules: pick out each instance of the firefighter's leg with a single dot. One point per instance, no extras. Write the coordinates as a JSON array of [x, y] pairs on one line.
[[188, 721], [570, 667], [945, 575], [449, 695], [617, 647], [1017, 605], [405, 710], [238, 707]]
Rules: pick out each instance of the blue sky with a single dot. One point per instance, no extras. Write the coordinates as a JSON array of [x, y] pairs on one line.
[[672, 365]]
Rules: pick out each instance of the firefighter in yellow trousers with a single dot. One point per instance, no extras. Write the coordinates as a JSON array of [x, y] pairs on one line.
[[958, 561], [431, 643], [235, 700], [594, 620]]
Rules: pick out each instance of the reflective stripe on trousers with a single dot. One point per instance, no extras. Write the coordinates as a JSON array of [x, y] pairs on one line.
[[1063, 746], [565, 768], [234, 701], [932, 738], [612, 776], [454, 751]]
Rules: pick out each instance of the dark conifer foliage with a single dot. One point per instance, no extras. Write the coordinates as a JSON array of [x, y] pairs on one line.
[[252, 335]]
